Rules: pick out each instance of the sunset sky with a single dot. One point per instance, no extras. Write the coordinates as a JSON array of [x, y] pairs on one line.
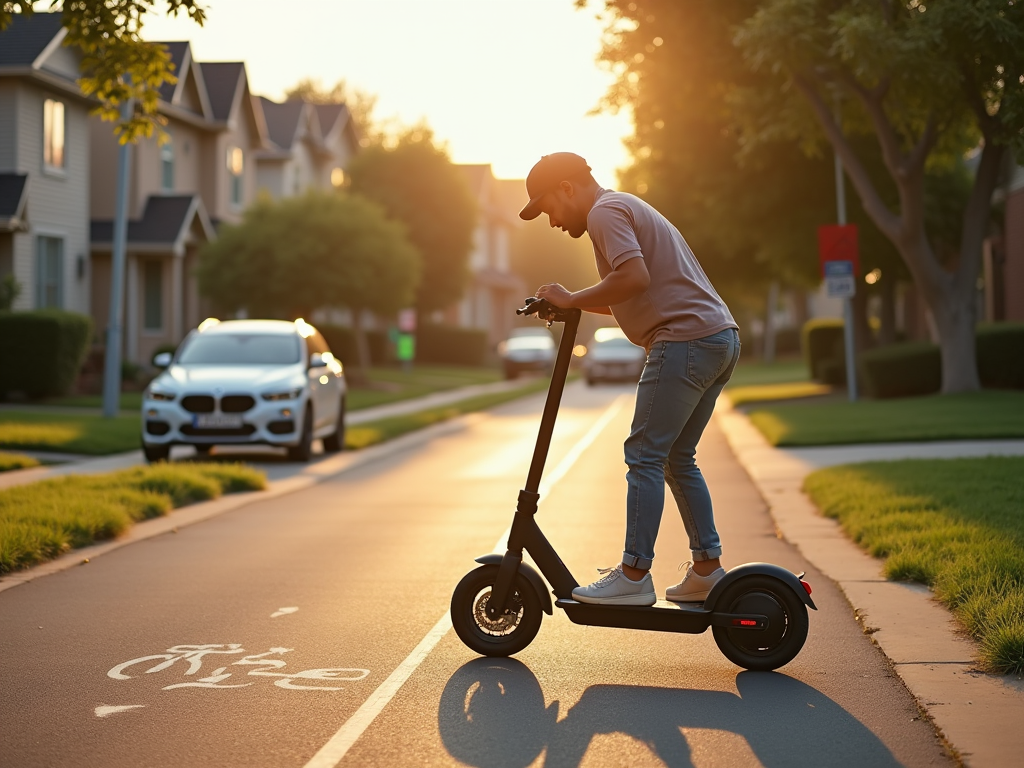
[[501, 81]]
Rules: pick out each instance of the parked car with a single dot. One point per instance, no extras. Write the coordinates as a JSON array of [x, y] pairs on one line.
[[613, 357], [527, 349], [243, 382]]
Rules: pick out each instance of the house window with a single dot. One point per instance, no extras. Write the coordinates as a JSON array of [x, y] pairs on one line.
[[236, 165], [53, 134], [49, 272], [167, 165], [153, 296]]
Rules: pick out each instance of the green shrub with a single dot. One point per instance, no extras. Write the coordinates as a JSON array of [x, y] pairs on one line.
[[41, 351], [1000, 354], [787, 341], [450, 345], [901, 370], [824, 350], [342, 341]]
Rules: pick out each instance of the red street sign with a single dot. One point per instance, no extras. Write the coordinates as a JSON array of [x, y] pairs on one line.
[[838, 242]]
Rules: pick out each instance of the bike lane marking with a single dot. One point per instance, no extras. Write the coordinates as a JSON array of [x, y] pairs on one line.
[[334, 751]]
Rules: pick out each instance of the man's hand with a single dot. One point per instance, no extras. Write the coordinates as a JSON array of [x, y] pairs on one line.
[[556, 295]]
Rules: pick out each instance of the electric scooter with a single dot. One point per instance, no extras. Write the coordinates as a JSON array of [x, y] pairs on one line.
[[757, 611]]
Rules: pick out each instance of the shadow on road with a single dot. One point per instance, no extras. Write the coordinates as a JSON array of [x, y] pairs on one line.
[[492, 713]]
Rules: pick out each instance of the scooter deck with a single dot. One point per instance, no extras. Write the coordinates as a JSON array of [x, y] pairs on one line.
[[663, 616]]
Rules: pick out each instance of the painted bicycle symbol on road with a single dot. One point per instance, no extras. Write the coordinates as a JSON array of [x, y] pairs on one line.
[[193, 657]]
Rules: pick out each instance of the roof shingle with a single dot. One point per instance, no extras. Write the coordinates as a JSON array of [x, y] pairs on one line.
[[222, 78], [161, 222], [27, 37]]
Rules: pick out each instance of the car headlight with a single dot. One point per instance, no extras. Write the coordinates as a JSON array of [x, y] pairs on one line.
[[288, 394], [156, 394]]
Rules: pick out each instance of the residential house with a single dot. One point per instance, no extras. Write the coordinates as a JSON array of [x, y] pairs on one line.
[[310, 147], [200, 174], [44, 166], [494, 291]]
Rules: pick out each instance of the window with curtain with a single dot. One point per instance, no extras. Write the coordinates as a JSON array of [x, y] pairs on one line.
[[153, 295], [53, 134], [236, 168], [167, 165], [49, 272]]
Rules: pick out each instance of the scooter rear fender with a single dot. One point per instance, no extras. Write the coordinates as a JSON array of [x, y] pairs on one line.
[[756, 569], [533, 577]]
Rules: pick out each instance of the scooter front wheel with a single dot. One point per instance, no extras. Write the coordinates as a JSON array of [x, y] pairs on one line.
[[502, 636], [762, 650]]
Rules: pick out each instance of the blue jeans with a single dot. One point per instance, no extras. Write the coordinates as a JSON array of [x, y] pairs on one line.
[[674, 402]]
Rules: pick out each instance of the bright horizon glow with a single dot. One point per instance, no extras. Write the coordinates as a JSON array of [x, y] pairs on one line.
[[499, 81]]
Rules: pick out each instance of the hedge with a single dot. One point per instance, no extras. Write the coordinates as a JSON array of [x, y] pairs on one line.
[[904, 370], [824, 350], [342, 341], [451, 345], [41, 351]]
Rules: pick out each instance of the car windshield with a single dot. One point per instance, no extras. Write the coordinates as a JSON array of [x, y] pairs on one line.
[[530, 342], [242, 349]]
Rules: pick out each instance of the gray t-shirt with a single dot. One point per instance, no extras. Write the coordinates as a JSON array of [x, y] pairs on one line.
[[680, 304]]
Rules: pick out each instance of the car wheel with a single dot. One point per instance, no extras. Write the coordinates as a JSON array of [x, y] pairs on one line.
[[336, 442], [304, 449], [155, 453]]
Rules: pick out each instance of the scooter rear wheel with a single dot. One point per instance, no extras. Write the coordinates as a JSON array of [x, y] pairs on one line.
[[762, 650], [506, 635]]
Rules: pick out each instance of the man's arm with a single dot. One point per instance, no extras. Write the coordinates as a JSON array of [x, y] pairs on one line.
[[629, 279]]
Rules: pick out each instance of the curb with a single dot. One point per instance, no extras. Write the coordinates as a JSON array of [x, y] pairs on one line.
[[978, 714]]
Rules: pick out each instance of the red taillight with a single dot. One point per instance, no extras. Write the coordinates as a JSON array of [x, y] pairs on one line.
[[807, 587], [745, 622]]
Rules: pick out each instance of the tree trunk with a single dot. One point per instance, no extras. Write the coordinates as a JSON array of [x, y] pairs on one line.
[[362, 346], [864, 338], [887, 329], [955, 320], [769, 322]]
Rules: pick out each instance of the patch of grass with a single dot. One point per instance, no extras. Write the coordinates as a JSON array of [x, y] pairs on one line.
[[10, 461], [389, 385], [41, 521], [756, 393], [373, 432], [129, 401], [780, 372], [953, 524], [989, 414], [70, 433]]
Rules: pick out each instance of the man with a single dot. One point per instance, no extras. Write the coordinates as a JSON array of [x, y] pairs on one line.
[[659, 295]]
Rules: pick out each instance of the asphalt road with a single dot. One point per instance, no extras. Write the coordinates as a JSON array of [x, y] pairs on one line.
[[251, 639]]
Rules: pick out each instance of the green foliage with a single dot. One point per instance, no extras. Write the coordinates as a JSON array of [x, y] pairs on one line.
[[9, 461], [989, 414], [342, 341], [290, 257], [41, 351], [450, 345], [823, 346], [10, 290], [117, 64], [41, 430], [1001, 355], [41, 521], [954, 525], [418, 185]]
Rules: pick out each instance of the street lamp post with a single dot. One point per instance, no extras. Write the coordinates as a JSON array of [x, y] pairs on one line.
[[848, 333]]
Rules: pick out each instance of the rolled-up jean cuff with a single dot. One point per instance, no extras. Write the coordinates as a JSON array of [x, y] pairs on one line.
[[705, 554], [635, 561]]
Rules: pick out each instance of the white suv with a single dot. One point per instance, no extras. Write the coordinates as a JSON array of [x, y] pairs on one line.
[[245, 382]]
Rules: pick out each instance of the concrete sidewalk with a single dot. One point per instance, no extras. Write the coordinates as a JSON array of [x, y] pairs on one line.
[[113, 462], [979, 714]]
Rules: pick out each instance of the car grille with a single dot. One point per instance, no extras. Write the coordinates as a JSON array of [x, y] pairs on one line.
[[236, 403], [197, 403], [243, 431]]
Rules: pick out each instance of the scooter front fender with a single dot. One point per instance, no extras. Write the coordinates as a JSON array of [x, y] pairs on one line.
[[532, 576], [756, 569]]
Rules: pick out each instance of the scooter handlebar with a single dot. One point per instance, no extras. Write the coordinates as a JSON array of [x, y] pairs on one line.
[[545, 310]]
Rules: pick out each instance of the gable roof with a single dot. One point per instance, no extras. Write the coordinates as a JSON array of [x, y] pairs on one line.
[[329, 115], [177, 50], [13, 194], [282, 120], [164, 225], [27, 36], [223, 79]]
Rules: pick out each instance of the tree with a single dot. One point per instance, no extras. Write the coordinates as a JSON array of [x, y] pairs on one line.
[[360, 103], [289, 258], [117, 64], [928, 82], [417, 184]]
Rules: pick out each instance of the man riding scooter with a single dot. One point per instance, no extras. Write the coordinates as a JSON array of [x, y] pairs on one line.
[[654, 287]]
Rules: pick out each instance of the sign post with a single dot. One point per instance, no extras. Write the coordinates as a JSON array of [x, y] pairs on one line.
[[840, 266], [405, 345]]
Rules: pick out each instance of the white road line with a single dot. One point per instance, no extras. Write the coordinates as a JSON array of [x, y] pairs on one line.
[[335, 749]]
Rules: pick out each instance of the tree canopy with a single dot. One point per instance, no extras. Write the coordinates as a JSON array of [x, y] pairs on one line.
[[416, 183], [117, 64]]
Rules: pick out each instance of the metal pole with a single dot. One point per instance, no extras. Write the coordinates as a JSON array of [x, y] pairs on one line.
[[848, 334], [112, 363]]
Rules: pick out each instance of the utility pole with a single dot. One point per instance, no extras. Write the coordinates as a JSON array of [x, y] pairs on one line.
[[115, 323], [848, 334]]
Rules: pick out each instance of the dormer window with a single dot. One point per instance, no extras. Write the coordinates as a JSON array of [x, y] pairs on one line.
[[167, 165], [236, 166], [53, 134]]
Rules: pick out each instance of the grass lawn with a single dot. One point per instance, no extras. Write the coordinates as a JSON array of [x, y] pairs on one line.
[[40, 430], [756, 393], [41, 521], [989, 414], [780, 372], [388, 385], [955, 525], [10, 461], [129, 401], [373, 432]]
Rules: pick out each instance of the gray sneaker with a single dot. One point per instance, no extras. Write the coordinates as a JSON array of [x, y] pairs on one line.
[[694, 588], [615, 588]]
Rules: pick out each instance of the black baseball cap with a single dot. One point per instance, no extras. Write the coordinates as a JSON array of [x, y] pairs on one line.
[[550, 171]]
